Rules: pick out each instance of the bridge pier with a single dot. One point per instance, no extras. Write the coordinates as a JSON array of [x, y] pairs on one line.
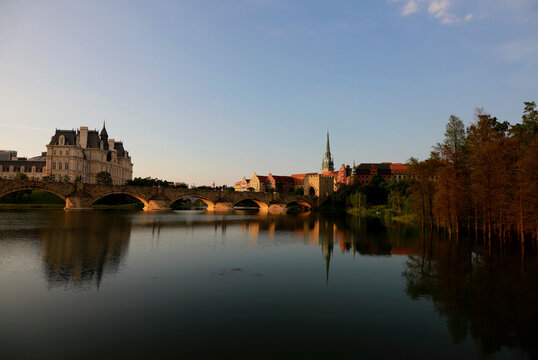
[[277, 209], [220, 206], [156, 205], [78, 203]]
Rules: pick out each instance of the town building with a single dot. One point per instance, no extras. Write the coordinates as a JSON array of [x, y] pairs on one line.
[[11, 165], [388, 171], [82, 154], [328, 181], [8, 154]]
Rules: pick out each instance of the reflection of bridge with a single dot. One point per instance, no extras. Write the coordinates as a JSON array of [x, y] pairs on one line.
[[82, 196]]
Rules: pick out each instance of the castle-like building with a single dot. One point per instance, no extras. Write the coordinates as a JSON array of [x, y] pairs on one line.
[[328, 181], [82, 154]]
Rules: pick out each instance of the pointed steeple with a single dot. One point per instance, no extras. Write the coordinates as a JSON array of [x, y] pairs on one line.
[[327, 164], [354, 170], [104, 136]]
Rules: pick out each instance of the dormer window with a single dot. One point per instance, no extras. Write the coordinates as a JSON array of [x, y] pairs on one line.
[[61, 140]]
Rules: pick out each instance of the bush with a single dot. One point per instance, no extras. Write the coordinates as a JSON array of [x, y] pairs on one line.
[[103, 178], [21, 176]]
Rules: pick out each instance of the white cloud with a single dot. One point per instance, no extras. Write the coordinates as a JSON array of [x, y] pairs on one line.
[[439, 9], [410, 8]]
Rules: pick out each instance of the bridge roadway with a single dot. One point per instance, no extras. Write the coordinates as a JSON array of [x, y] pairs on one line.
[[78, 196]]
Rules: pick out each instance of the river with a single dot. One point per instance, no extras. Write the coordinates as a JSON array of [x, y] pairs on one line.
[[112, 284]]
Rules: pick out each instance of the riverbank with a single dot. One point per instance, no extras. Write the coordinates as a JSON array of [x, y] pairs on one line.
[[381, 211]]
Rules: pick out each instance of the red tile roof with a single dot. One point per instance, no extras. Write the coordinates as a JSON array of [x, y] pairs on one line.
[[283, 179]]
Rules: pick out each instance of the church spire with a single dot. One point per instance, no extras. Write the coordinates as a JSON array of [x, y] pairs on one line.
[[327, 164], [104, 137]]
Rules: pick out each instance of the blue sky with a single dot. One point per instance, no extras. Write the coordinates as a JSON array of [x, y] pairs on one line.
[[216, 90]]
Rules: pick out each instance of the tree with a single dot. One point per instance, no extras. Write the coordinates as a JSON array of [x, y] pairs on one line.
[[422, 188], [21, 176], [299, 191], [103, 178], [149, 181], [358, 200]]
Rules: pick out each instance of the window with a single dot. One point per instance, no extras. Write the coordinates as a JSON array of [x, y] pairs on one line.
[[60, 152], [59, 165], [54, 165], [54, 152], [66, 165]]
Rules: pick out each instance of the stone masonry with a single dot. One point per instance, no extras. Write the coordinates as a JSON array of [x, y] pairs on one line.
[[79, 196]]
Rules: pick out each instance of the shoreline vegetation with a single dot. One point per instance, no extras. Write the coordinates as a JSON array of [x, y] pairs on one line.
[[383, 212], [481, 180]]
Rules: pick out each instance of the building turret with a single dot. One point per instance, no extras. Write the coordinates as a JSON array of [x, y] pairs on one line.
[[327, 164], [104, 137], [354, 176]]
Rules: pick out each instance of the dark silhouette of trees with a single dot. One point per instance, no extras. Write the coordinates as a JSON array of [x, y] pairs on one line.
[[149, 181], [483, 178]]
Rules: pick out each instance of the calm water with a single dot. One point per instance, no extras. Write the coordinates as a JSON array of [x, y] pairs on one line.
[[96, 284]]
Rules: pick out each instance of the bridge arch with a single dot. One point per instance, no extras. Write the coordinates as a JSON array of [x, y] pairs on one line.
[[263, 206], [132, 194], [300, 202], [25, 188], [210, 204]]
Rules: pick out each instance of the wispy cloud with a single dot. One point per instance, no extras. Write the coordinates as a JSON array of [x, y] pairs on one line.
[[24, 127], [439, 9], [410, 7]]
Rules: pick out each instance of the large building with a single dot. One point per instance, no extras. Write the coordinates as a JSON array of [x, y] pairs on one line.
[[11, 165], [82, 154]]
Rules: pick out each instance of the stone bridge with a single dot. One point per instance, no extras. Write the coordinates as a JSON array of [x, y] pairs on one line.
[[82, 196]]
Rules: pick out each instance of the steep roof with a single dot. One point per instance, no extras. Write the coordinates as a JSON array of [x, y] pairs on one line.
[[69, 135], [301, 176], [118, 146], [94, 141], [283, 179], [261, 178], [38, 158]]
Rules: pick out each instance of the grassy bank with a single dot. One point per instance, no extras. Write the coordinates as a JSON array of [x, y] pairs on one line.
[[35, 199], [382, 211], [38, 199], [134, 207], [32, 206]]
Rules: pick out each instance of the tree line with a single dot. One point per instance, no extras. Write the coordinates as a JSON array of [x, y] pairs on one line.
[[481, 179]]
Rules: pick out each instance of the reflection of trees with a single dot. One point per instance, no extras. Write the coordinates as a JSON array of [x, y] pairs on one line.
[[489, 298], [79, 249]]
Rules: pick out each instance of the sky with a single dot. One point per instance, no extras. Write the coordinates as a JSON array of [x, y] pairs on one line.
[[203, 91]]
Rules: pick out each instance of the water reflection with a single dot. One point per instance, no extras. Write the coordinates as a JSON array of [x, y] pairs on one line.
[[492, 297], [79, 249]]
